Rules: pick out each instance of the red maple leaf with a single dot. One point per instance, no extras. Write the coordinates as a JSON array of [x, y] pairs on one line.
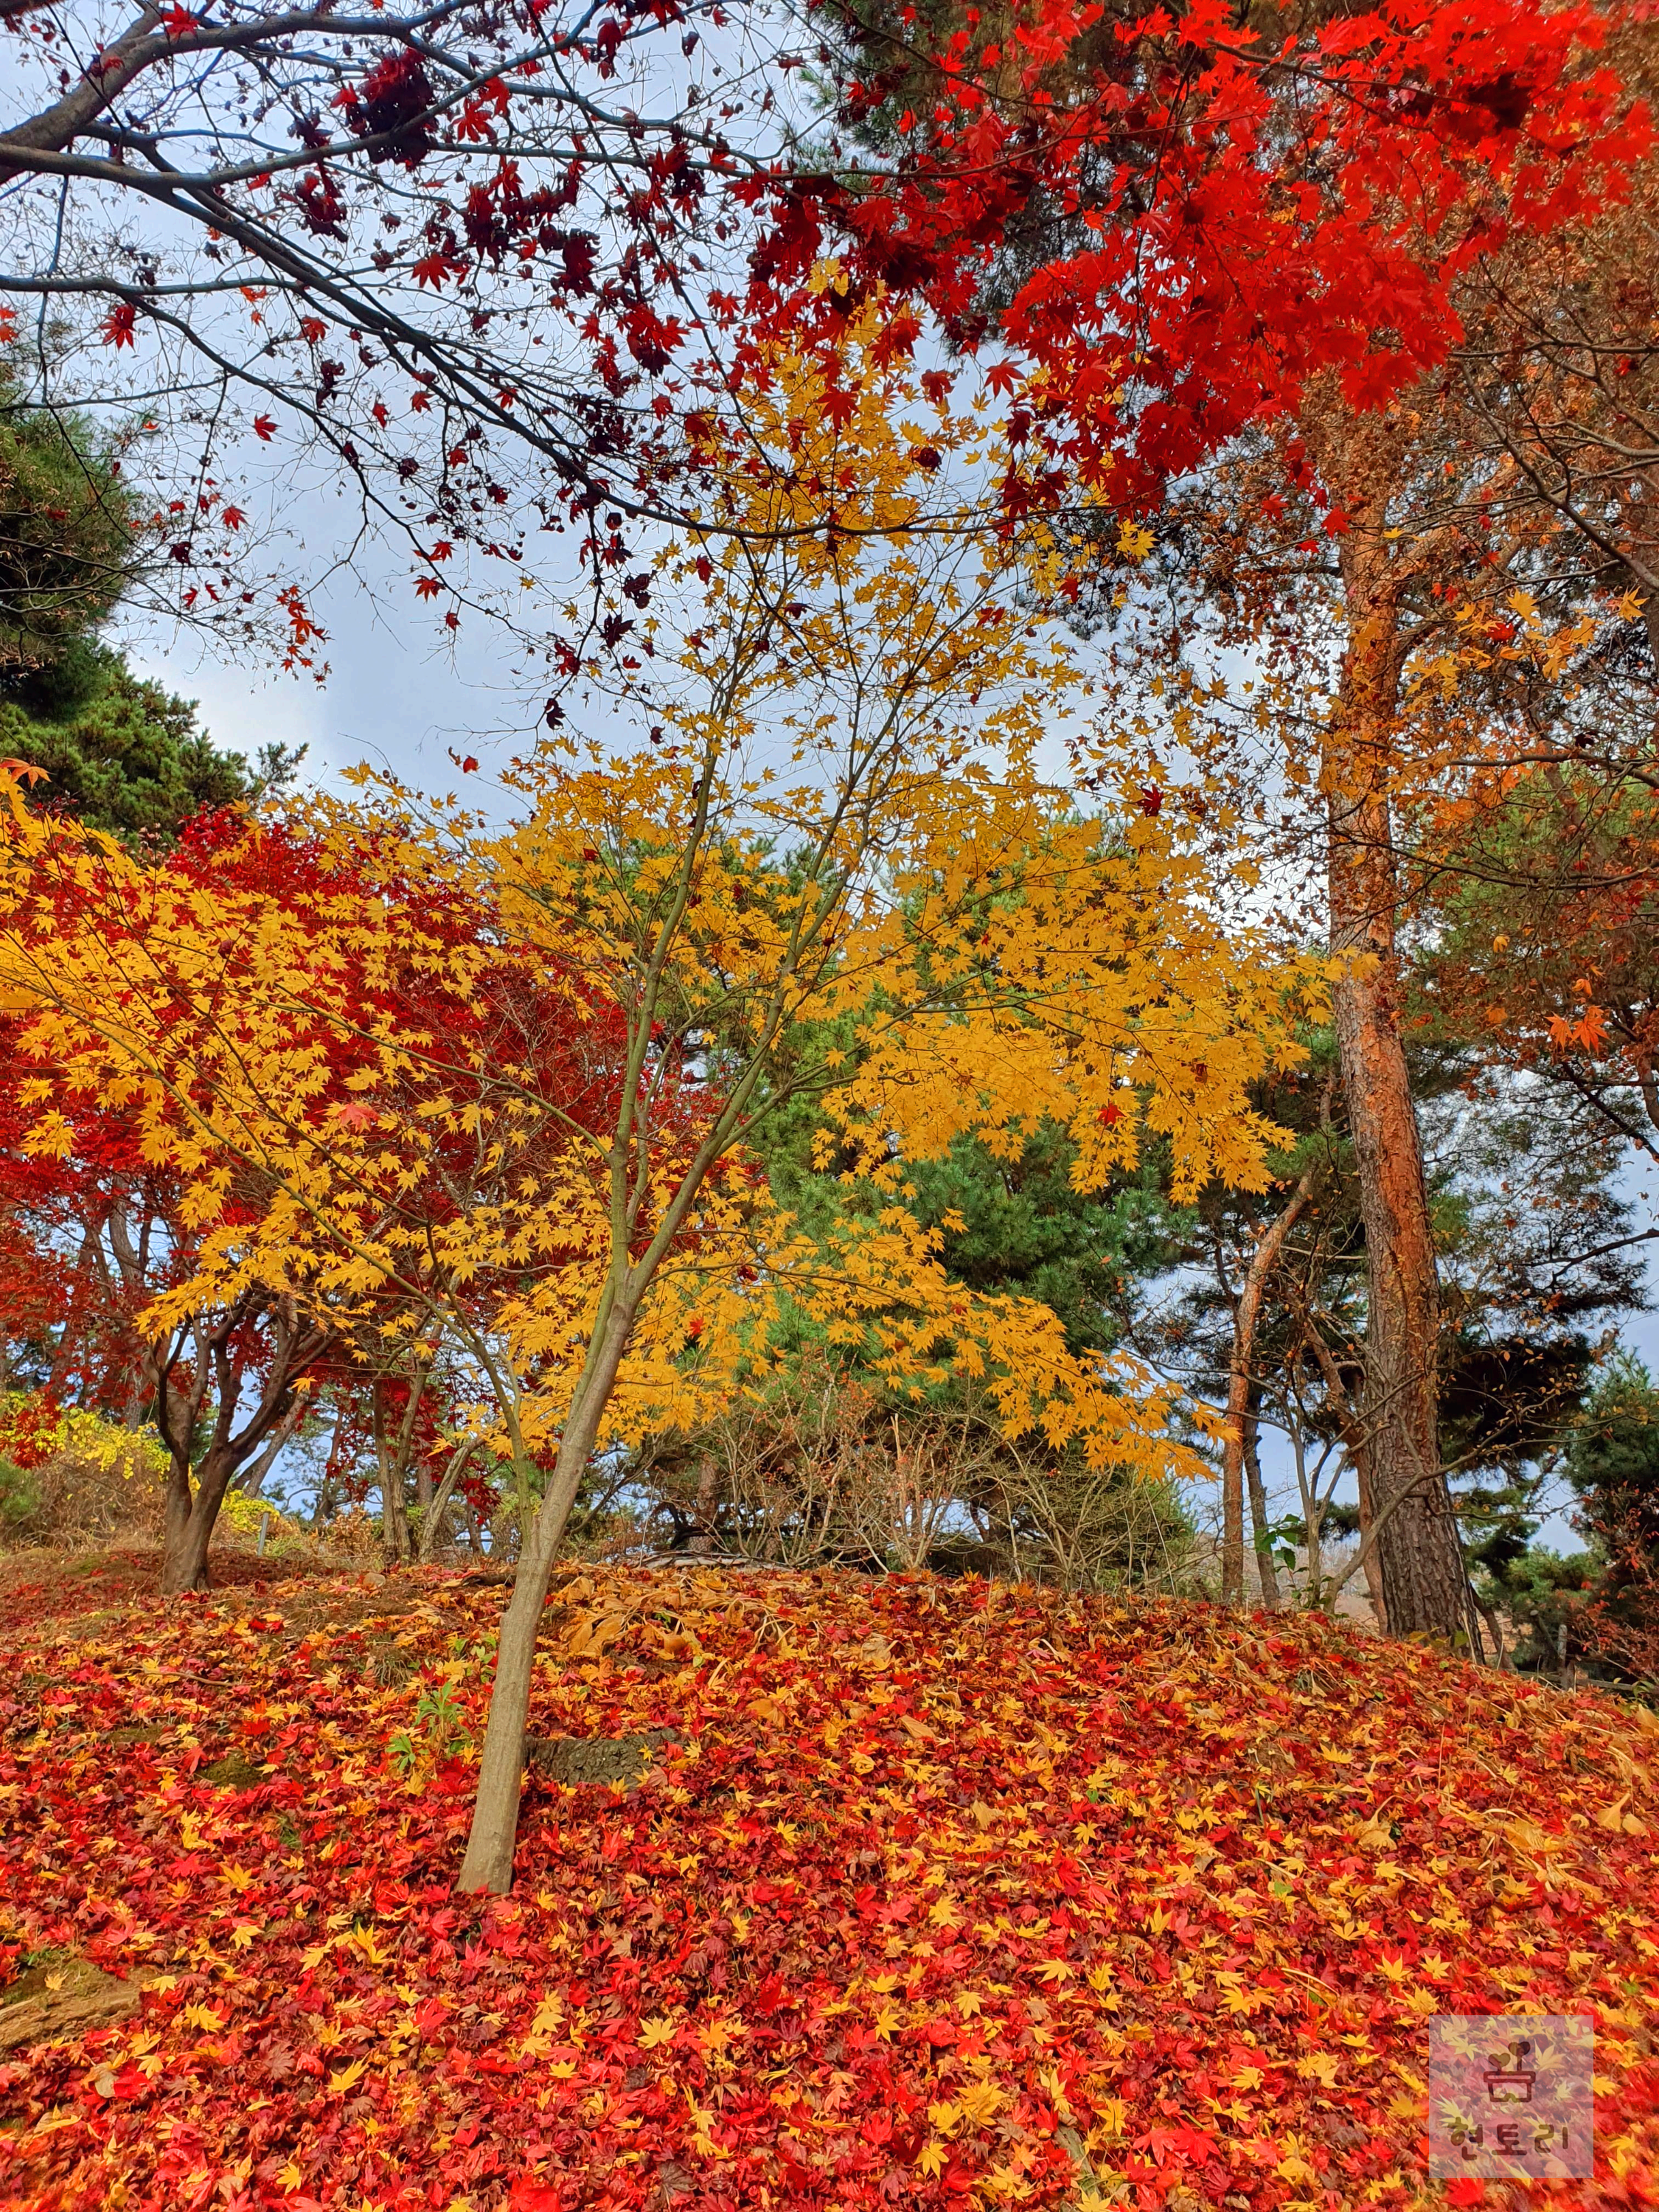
[[433, 267]]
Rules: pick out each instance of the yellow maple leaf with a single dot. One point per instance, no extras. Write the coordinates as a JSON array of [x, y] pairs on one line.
[[654, 2033], [345, 2077], [980, 2103]]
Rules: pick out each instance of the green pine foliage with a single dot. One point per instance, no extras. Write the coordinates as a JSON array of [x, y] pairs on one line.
[[119, 752], [69, 544]]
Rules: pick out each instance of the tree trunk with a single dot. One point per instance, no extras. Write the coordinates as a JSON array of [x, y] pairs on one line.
[[1259, 1522], [192, 1511], [394, 1519], [487, 1865], [436, 1503], [1246, 1310], [1368, 1565], [1424, 1584], [706, 1512], [391, 1452]]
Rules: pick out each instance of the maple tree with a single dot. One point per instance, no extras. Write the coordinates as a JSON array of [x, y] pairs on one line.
[[1559, 370], [902, 1890], [1193, 236], [900, 858], [127, 1161], [1546, 945], [475, 264], [101, 1229]]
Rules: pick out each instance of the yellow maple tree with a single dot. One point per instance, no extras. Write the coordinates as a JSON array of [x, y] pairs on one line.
[[847, 813]]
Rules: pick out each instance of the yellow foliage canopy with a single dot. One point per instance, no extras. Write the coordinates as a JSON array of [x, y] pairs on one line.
[[841, 827]]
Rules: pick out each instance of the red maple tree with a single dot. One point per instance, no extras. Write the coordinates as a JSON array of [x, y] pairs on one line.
[[115, 1230], [1193, 236]]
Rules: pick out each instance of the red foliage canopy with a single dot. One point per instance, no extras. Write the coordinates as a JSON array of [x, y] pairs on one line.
[[1201, 219]]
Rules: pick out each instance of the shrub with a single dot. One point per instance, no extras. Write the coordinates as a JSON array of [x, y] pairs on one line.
[[74, 1476]]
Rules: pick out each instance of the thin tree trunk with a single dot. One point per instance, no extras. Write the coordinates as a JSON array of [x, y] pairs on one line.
[[1350, 1427], [392, 1449], [1246, 1311], [487, 1865], [707, 1509], [1259, 1522], [1424, 1583], [1369, 1567], [437, 1503]]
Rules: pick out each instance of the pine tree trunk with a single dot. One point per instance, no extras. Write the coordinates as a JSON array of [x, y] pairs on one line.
[[1420, 1567], [1424, 1587]]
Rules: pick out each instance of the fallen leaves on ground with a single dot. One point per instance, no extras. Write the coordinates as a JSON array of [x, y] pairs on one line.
[[932, 1893]]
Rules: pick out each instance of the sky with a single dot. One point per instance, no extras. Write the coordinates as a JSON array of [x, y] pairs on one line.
[[395, 696]]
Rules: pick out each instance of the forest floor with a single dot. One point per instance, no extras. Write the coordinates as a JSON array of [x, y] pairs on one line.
[[831, 1890]]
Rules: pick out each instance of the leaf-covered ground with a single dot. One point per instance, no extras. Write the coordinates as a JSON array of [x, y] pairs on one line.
[[940, 1894]]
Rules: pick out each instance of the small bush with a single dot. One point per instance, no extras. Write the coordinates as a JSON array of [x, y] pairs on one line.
[[69, 1476], [20, 1496]]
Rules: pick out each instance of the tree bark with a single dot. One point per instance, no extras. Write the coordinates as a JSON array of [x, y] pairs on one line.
[[1246, 1311], [195, 1495], [706, 1511], [1351, 1426], [487, 1865], [192, 1511], [1424, 1587], [437, 1503], [1259, 1522]]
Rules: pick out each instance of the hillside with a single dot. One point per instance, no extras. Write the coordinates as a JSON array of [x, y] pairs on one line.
[[907, 1892]]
